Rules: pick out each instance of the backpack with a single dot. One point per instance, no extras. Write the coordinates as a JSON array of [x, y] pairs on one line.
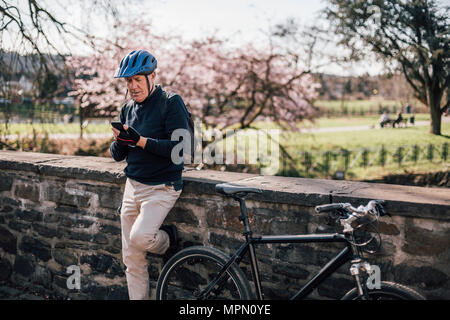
[[164, 99]]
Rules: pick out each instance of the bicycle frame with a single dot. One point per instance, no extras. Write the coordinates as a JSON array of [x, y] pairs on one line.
[[341, 258], [349, 253]]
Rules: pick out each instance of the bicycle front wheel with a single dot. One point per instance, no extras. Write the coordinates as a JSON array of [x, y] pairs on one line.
[[190, 271], [387, 291]]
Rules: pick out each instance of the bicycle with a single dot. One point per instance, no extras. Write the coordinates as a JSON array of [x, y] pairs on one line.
[[201, 272]]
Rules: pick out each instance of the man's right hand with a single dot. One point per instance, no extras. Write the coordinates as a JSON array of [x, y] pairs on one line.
[[116, 134]]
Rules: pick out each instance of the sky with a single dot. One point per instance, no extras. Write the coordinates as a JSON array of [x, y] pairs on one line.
[[194, 18], [241, 21]]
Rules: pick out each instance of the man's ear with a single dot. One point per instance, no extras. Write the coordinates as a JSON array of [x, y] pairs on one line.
[[153, 75]]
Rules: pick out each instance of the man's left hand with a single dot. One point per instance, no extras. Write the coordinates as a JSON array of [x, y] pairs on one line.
[[131, 137]]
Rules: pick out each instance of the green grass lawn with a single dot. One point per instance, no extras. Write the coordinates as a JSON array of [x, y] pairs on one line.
[[23, 128], [363, 139]]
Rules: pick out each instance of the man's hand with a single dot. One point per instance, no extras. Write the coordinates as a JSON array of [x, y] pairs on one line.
[[131, 137], [116, 134]]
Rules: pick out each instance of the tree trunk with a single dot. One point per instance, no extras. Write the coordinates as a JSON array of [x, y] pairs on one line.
[[436, 115], [80, 112]]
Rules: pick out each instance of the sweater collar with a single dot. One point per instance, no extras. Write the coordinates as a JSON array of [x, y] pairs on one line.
[[153, 97]]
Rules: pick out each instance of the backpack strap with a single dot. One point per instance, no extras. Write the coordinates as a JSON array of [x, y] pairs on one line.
[[163, 108]]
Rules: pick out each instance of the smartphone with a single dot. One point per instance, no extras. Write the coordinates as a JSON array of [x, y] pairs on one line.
[[118, 125]]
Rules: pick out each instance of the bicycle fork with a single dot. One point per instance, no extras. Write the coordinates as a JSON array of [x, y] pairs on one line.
[[357, 266]]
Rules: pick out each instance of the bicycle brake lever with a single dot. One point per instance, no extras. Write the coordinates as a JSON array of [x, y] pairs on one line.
[[381, 210]]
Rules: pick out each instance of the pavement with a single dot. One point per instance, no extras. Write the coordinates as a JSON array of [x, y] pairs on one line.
[[365, 127]]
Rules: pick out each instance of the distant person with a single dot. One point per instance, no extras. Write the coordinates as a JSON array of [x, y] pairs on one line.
[[384, 119], [408, 108], [398, 120], [447, 112]]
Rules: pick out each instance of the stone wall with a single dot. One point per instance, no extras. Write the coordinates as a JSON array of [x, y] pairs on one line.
[[57, 211]]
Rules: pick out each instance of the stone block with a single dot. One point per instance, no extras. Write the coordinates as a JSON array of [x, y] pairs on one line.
[[27, 190], [224, 216], [29, 215], [388, 229], [19, 225], [39, 248], [290, 270], [424, 242], [81, 236], [24, 265], [425, 277], [42, 276], [5, 182], [103, 263], [109, 229], [57, 193], [5, 269], [46, 230], [64, 257], [182, 214], [335, 288], [225, 242], [8, 241], [100, 238]]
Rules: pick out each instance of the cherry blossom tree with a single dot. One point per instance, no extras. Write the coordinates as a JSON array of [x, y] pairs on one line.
[[222, 86]]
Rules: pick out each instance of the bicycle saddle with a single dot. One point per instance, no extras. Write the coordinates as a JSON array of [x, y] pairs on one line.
[[229, 189]]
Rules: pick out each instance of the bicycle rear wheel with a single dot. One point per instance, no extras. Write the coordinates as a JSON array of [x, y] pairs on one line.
[[387, 291], [190, 271]]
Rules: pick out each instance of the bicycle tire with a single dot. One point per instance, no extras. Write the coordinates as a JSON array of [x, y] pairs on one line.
[[387, 291], [184, 276]]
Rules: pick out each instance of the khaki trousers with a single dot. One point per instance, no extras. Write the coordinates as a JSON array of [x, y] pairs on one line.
[[144, 208]]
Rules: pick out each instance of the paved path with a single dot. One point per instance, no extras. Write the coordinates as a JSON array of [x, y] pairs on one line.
[[365, 127]]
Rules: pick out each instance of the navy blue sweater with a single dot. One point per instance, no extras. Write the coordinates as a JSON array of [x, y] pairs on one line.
[[152, 165]]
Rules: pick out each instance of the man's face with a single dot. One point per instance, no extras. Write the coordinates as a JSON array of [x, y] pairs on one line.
[[137, 86]]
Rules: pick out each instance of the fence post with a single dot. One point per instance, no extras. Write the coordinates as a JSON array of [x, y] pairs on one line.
[[399, 154], [382, 155], [346, 158], [364, 155], [326, 165], [308, 161], [444, 154], [430, 152], [415, 154]]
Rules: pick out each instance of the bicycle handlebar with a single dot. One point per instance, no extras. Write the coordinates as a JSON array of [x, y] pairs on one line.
[[328, 207], [348, 213], [360, 211]]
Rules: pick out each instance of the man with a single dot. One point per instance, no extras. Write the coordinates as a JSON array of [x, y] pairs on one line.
[[398, 120], [153, 181], [384, 119]]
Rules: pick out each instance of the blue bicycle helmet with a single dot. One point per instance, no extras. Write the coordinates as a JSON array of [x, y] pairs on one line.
[[136, 62]]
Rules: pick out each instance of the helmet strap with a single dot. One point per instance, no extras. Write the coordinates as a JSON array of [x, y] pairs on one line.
[[148, 86]]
